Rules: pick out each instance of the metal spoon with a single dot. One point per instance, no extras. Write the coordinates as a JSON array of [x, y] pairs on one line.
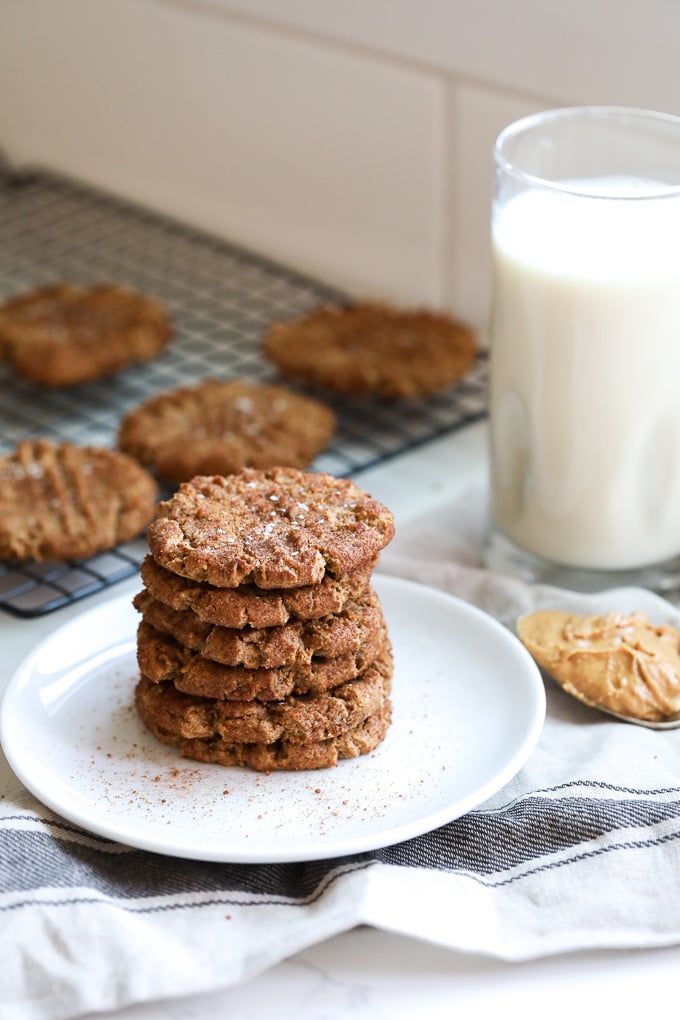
[[670, 722]]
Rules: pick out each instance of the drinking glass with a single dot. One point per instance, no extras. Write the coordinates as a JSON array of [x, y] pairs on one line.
[[584, 385]]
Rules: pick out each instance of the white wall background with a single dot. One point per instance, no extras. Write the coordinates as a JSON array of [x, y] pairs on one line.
[[349, 138]]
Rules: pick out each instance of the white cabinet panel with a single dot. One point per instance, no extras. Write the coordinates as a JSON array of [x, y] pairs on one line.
[[607, 51], [475, 117], [325, 159]]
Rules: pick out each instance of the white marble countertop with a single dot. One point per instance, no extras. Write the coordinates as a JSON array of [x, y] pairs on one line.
[[368, 973], [371, 975]]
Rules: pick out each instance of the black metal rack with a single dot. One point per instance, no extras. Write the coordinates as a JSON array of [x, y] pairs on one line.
[[221, 299]]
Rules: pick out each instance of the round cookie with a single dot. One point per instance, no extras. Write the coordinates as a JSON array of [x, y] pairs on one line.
[[299, 718], [282, 755], [371, 348], [66, 334], [220, 427], [248, 606], [281, 528], [265, 648], [62, 502], [162, 658]]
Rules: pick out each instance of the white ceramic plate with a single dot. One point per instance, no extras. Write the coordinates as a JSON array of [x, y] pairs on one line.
[[468, 708]]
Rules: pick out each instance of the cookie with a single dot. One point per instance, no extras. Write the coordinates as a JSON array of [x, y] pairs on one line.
[[343, 633], [371, 348], [281, 755], [281, 528], [161, 658], [220, 427], [298, 718], [249, 606], [66, 334], [62, 502]]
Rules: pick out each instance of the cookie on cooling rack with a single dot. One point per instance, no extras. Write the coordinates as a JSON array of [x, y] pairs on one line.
[[220, 427], [67, 334], [373, 348], [281, 528], [62, 502]]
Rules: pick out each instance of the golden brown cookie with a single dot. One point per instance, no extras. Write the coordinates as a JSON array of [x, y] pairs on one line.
[[283, 754], [298, 718], [371, 348], [61, 502], [281, 528], [161, 658], [248, 606], [342, 633], [220, 427], [66, 334]]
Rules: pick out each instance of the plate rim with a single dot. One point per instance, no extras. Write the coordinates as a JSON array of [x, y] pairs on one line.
[[314, 850]]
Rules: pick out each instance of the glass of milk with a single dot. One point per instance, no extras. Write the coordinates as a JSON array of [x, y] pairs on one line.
[[585, 350]]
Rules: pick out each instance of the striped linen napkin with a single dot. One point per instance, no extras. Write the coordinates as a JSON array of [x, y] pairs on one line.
[[580, 850]]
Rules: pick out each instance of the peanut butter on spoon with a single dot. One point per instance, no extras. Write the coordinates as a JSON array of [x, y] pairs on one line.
[[619, 663]]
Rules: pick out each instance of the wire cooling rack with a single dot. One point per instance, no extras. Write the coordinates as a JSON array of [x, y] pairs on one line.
[[220, 298]]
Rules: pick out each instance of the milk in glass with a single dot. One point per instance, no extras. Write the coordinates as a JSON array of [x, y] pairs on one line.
[[585, 373]]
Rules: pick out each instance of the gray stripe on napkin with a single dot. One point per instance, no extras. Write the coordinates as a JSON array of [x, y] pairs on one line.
[[35, 861], [529, 832]]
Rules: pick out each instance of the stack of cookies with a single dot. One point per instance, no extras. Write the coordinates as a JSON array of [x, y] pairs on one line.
[[262, 642]]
